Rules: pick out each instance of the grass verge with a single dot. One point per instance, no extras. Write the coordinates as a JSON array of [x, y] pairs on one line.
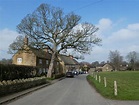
[[127, 84]]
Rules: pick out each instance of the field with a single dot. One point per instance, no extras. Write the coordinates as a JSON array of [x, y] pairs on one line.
[[127, 84]]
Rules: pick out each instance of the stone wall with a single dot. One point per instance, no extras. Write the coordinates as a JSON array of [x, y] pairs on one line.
[[11, 86]]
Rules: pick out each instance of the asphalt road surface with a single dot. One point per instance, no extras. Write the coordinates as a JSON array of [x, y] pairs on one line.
[[69, 91]]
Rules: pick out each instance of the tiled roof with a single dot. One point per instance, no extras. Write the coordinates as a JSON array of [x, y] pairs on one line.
[[68, 60], [41, 54]]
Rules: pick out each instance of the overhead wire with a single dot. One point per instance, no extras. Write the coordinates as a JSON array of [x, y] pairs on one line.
[[85, 6]]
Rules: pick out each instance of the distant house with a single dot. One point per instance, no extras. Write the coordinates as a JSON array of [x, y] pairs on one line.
[[68, 63], [104, 67], [124, 66], [34, 57]]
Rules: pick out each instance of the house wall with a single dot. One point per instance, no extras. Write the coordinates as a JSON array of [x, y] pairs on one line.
[[77, 67], [71, 67], [28, 58], [68, 67], [62, 66], [24, 58], [43, 64], [107, 67]]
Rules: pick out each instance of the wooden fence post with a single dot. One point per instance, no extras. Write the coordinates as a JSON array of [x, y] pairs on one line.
[[96, 77], [105, 82], [99, 79], [92, 74], [115, 88]]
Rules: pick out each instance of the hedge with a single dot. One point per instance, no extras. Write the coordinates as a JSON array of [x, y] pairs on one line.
[[11, 72], [19, 85]]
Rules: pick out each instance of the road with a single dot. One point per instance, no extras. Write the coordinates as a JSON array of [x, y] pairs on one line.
[[69, 91]]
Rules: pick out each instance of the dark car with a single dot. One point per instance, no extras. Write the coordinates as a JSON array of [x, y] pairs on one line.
[[69, 74]]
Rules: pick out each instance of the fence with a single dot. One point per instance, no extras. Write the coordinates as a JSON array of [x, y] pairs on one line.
[[105, 83]]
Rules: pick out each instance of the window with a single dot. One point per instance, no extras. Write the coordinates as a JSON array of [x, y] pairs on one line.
[[40, 61], [47, 62], [40, 70], [43, 70], [57, 69], [46, 70], [57, 63], [19, 60]]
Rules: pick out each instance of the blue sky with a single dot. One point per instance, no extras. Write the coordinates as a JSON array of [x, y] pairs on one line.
[[118, 23]]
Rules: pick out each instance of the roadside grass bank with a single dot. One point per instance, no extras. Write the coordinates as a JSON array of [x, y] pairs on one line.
[[127, 84]]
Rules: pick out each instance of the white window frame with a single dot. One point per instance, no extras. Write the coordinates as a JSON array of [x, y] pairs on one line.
[[19, 60]]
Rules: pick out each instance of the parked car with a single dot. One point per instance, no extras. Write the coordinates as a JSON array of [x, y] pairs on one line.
[[80, 72], [69, 74]]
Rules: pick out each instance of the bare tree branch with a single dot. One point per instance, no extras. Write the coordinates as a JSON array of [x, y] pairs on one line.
[[50, 27]]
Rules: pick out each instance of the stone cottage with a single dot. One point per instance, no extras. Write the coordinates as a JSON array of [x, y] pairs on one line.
[[104, 67], [68, 63], [41, 58], [34, 57]]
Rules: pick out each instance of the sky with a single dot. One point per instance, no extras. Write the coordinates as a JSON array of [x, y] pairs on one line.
[[117, 20]]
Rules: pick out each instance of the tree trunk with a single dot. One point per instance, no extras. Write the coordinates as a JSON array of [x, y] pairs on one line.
[[51, 66]]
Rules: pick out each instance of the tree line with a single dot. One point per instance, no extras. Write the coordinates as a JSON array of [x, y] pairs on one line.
[[129, 61], [132, 60]]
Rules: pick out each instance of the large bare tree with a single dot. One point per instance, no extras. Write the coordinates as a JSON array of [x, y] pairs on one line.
[[16, 45], [115, 59], [59, 32], [133, 59]]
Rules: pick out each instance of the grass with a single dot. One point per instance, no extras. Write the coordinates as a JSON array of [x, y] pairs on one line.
[[127, 84]]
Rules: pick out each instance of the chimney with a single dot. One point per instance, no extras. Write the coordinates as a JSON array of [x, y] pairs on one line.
[[26, 40], [46, 49], [71, 56]]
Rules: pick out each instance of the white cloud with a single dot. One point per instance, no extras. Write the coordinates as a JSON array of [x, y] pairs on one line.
[[133, 48], [104, 25], [99, 53], [133, 26], [125, 35], [124, 40], [6, 38]]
